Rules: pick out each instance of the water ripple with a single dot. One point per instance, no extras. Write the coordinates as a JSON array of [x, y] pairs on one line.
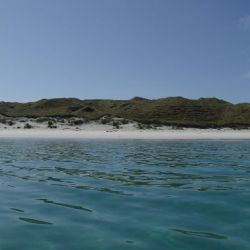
[[124, 194]]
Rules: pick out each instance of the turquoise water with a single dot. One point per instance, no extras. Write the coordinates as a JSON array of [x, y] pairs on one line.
[[60, 194]]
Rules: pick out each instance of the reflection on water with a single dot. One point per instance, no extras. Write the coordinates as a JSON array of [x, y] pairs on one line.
[[29, 220], [60, 194], [201, 234], [65, 205]]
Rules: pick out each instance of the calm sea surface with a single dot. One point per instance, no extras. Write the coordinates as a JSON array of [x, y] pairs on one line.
[[114, 195]]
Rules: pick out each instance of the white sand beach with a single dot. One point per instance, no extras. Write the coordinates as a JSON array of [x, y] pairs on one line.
[[97, 131]]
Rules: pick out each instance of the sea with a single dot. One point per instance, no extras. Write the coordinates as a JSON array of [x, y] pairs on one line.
[[124, 194]]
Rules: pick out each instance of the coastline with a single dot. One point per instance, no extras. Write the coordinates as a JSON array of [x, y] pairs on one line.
[[163, 134]]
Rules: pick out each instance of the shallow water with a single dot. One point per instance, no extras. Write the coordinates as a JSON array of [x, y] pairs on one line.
[[63, 194]]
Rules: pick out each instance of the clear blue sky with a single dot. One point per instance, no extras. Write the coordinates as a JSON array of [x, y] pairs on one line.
[[124, 48]]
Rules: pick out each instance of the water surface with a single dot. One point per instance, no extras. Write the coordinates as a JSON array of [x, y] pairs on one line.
[[69, 194]]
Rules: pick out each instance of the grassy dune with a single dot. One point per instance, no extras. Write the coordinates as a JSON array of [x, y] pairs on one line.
[[175, 111]]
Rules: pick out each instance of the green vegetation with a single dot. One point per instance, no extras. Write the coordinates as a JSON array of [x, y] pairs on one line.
[[27, 126], [174, 111]]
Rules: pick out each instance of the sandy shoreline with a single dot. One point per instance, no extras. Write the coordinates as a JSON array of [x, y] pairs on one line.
[[164, 134], [74, 128]]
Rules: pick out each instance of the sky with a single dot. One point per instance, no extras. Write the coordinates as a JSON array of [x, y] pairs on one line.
[[118, 49]]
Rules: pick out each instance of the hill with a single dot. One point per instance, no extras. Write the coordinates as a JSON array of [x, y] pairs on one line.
[[175, 111]]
